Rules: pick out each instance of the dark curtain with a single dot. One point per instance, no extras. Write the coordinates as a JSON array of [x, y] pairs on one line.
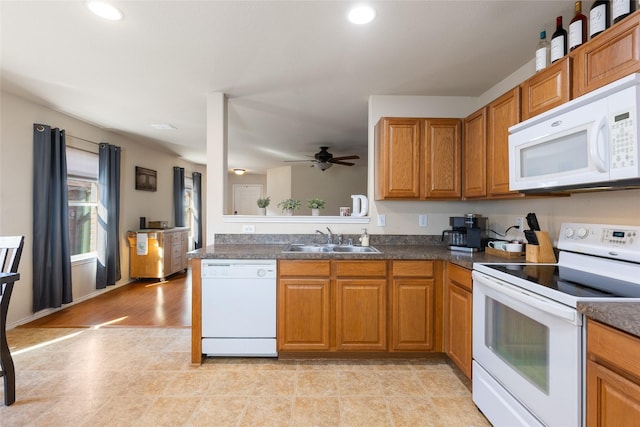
[[108, 263], [51, 247], [197, 209], [178, 196]]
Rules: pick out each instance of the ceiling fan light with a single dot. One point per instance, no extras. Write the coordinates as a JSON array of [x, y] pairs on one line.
[[323, 166]]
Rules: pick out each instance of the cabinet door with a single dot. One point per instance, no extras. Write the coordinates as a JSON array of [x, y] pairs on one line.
[[547, 89], [442, 147], [398, 158], [502, 113], [608, 57], [474, 171], [458, 317], [361, 314], [303, 314], [412, 308], [612, 400]]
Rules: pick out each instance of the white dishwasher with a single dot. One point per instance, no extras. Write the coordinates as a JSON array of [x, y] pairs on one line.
[[239, 308]]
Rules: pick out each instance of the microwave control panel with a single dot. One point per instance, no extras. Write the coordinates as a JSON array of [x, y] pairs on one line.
[[623, 146]]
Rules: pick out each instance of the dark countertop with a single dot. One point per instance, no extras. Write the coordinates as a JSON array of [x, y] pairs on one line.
[[621, 315], [416, 252]]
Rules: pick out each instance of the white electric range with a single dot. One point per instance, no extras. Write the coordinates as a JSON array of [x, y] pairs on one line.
[[528, 337]]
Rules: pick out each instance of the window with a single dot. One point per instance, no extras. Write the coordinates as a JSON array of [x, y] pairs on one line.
[[189, 211], [82, 191]]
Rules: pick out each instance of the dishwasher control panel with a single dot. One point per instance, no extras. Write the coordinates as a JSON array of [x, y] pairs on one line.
[[239, 269]]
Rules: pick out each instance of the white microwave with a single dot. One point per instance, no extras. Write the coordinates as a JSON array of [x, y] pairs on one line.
[[590, 142]]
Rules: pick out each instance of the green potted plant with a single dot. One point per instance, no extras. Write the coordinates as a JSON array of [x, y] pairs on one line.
[[289, 205], [315, 204], [263, 202]]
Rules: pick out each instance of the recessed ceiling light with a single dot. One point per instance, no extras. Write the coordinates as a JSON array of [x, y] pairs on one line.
[[104, 10], [362, 14], [163, 126]]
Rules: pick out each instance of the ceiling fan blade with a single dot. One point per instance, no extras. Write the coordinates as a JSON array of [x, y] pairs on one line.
[[346, 158], [295, 161], [338, 162]]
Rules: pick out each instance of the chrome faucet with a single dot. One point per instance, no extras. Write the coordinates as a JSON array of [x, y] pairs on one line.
[[329, 236]]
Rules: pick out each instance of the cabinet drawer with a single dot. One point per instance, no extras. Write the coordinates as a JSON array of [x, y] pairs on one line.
[[413, 268], [361, 268], [610, 345], [304, 268], [460, 276]]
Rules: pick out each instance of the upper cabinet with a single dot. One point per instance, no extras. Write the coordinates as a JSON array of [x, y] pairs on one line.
[[547, 89], [417, 159], [475, 155], [502, 113], [612, 55], [486, 148]]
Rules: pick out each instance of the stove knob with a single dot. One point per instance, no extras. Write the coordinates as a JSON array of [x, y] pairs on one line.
[[582, 232], [569, 232]]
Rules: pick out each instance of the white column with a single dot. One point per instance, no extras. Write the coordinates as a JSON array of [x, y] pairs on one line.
[[216, 162]]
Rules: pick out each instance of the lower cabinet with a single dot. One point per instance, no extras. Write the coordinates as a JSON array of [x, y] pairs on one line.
[[613, 377], [413, 301], [304, 305], [359, 306], [458, 317]]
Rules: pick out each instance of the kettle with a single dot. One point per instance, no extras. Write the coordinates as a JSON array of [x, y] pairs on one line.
[[360, 205]]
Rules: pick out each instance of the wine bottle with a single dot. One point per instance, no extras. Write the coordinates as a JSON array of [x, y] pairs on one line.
[[543, 53], [598, 17], [577, 28], [620, 9], [558, 41]]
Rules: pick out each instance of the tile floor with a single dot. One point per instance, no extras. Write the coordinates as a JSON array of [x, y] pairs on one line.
[[143, 377]]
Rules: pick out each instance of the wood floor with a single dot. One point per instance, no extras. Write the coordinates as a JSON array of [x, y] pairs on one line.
[[143, 303]]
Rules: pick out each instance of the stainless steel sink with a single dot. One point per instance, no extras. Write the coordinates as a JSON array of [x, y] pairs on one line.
[[326, 248]]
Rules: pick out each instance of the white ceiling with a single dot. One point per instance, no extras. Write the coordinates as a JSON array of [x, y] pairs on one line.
[[297, 73]]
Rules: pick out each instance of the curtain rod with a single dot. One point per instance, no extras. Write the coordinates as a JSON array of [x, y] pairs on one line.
[[82, 139]]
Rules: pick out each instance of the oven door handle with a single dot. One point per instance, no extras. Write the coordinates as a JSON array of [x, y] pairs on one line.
[[530, 299]]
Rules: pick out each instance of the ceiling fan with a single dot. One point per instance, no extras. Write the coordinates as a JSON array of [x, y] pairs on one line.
[[323, 159]]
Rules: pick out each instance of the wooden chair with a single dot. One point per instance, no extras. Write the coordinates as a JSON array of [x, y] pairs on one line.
[[10, 252]]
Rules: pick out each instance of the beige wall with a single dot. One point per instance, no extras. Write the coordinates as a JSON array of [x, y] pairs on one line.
[[16, 154]]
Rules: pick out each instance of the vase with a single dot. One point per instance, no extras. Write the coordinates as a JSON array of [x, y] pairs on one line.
[[288, 212], [315, 212], [262, 211]]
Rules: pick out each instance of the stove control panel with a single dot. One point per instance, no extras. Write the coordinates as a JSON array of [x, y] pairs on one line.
[[612, 241]]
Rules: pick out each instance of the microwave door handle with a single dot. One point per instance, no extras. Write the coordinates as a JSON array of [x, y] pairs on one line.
[[599, 147]]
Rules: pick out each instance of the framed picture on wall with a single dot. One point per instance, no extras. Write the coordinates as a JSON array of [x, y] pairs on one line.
[[146, 179]]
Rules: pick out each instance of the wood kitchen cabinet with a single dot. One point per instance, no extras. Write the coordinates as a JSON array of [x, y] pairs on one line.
[[547, 89], [474, 160], [166, 253], [458, 317], [304, 304], [415, 306], [418, 158], [613, 377], [486, 148], [604, 59], [361, 305], [502, 113]]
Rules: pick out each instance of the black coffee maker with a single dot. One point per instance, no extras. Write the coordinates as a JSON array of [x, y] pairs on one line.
[[468, 233]]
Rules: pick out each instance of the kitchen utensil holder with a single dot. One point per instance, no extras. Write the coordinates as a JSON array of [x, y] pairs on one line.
[[543, 251]]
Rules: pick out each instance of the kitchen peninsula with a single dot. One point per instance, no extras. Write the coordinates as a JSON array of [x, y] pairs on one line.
[[407, 276]]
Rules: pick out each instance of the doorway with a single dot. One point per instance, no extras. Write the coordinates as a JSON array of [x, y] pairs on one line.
[[244, 198]]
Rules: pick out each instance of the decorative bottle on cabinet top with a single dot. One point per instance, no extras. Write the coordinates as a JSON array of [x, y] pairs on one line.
[[543, 52], [558, 41], [598, 17], [620, 9], [577, 28]]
